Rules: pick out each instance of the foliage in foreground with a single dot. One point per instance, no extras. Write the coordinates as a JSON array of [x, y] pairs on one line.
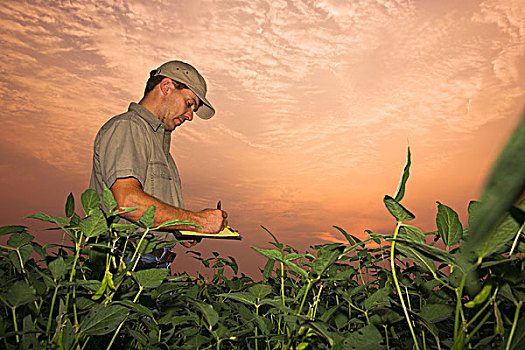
[[401, 291]]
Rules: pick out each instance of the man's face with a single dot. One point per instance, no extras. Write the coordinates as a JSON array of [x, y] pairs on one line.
[[180, 105]]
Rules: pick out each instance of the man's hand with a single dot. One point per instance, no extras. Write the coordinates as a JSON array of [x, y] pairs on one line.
[[212, 220], [189, 244]]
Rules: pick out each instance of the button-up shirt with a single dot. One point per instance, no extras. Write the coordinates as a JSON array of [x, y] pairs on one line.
[[136, 144]]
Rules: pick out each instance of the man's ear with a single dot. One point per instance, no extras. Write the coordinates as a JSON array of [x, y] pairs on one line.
[[165, 86]]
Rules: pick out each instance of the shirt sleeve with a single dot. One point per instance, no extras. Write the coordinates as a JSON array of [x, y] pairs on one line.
[[123, 152]]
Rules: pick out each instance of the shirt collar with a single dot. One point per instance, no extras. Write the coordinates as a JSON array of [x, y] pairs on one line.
[[145, 114]]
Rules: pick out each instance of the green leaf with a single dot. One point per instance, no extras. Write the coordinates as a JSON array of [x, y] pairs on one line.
[[260, 290], [347, 236], [449, 227], [433, 313], [272, 254], [58, 220], [499, 237], [326, 256], [397, 210], [70, 205], [58, 268], [90, 201], [430, 251], [150, 278], [19, 239], [400, 192], [413, 234], [322, 329], [296, 268], [379, 298], [209, 313], [141, 309], [124, 210], [25, 252], [504, 186], [95, 224], [29, 340], [5, 230], [108, 198], [147, 219], [268, 268], [20, 293], [243, 297], [103, 319], [366, 338], [178, 222]]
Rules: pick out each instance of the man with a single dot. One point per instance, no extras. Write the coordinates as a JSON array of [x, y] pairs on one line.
[[132, 151]]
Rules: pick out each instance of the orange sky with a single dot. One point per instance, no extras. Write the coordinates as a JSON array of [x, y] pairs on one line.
[[316, 103]]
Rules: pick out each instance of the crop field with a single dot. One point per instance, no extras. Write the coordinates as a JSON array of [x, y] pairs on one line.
[[454, 288]]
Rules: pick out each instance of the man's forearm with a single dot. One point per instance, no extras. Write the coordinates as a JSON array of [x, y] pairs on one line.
[[128, 193]]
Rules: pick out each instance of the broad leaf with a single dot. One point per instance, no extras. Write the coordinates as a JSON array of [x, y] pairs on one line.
[[430, 251], [20, 293], [273, 254], [108, 198], [449, 227], [499, 237], [150, 278], [25, 253], [58, 268], [504, 186], [400, 193], [260, 290], [209, 313], [19, 239], [366, 338], [141, 309], [379, 298], [5, 230], [243, 297], [59, 220], [94, 224], [397, 210], [325, 258], [90, 201], [433, 313], [413, 234], [148, 218], [103, 319], [70, 205]]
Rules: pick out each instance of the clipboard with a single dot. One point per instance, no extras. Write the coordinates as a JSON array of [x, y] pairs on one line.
[[226, 233]]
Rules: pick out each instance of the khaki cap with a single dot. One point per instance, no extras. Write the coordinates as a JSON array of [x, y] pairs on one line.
[[188, 75]]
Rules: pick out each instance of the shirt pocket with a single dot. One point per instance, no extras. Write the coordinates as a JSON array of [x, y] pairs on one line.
[[160, 170]]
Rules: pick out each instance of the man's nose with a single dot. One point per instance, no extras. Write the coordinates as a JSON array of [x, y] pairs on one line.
[[189, 115]]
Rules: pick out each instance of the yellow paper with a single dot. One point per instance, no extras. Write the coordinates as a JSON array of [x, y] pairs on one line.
[[226, 233]]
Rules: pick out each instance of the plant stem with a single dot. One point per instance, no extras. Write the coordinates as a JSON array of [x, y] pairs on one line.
[[393, 267], [516, 239], [50, 317], [316, 301], [15, 324], [459, 292], [304, 296], [21, 261], [514, 323], [73, 269], [282, 283]]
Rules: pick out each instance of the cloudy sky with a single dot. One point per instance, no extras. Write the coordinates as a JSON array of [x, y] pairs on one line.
[[317, 102]]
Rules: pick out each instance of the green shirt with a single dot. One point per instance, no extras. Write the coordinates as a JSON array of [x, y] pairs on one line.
[[136, 144]]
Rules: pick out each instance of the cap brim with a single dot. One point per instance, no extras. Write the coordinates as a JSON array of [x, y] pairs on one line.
[[206, 111]]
